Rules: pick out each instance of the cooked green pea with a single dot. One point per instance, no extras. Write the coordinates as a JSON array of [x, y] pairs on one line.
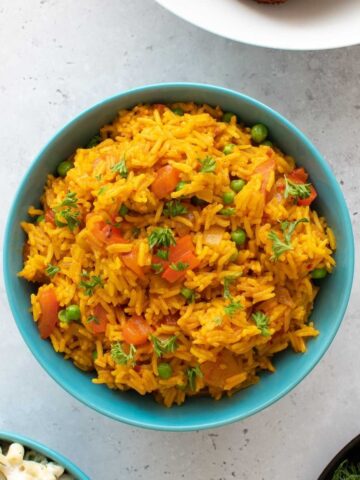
[[319, 273], [180, 185], [237, 185], [238, 236], [40, 218], [178, 111], [228, 116], [164, 370], [123, 210], [62, 316], [228, 197], [259, 132], [64, 167], [198, 202], [72, 313], [188, 294], [228, 148], [267, 143], [227, 212]]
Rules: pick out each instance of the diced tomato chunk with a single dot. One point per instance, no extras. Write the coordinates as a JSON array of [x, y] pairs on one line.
[[106, 233], [165, 181], [183, 245], [99, 325], [298, 175], [188, 258], [136, 331], [49, 313], [304, 202]]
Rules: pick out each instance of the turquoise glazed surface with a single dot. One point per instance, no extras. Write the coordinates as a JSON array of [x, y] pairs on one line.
[[291, 368], [47, 452]]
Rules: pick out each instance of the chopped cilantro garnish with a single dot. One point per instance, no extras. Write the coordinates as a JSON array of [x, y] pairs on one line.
[[262, 322], [70, 200], [168, 345], [297, 190], [174, 208], [52, 270], [91, 284], [192, 373], [92, 319], [161, 237], [121, 168], [163, 254], [157, 267], [122, 358], [179, 266], [279, 246], [232, 308]]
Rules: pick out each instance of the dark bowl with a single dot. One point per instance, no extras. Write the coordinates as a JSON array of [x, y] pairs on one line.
[[350, 452]]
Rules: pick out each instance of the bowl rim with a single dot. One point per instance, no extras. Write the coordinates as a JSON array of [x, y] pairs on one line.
[[46, 451], [340, 457], [150, 424]]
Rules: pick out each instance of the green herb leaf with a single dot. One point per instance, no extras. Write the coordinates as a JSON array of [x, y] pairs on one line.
[[347, 471], [70, 200], [94, 141], [192, 373], [218, 320], [163, 254], [121, 168], [161, 237], [232, 308], [169, 345], [279, 246], [92, 319], [208, 165], [157, 267], [188, 294], [289, 227], [179, 266], [52, 270], [297, 190], [70, 218], [174, 208], [262, 322], [122, 358], [91, 284]]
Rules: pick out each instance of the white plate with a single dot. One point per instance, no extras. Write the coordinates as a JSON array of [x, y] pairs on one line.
[[294, 25]]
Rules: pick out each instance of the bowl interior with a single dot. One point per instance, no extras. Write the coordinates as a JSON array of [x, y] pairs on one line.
[[201, 412], [47, 452]]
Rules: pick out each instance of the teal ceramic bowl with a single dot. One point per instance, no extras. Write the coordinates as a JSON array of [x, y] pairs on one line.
[[196, 413], [47, 452]]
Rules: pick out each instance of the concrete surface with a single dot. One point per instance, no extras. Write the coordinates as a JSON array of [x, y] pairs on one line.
[[58, 57]]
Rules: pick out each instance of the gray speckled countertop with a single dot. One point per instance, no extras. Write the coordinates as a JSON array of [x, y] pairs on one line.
[[59, 57]]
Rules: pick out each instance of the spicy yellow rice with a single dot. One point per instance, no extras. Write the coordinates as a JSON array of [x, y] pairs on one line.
[[213, 349]]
